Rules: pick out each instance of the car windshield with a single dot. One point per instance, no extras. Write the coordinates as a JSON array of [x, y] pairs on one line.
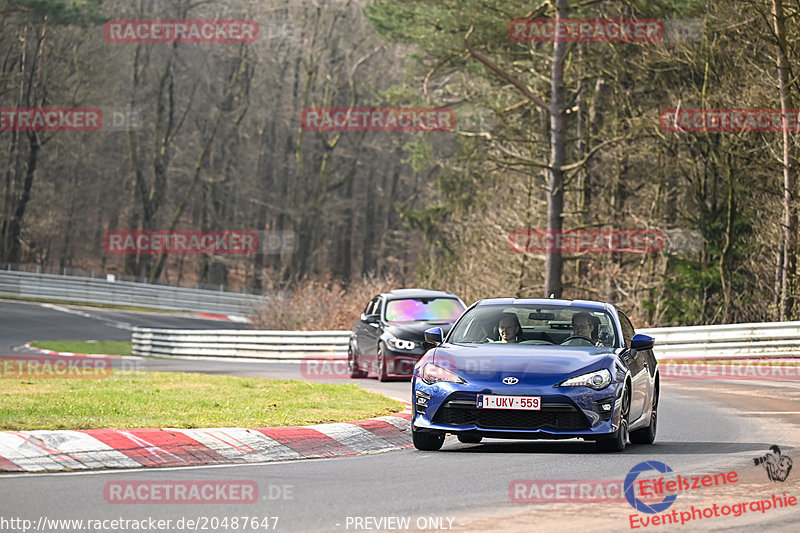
[[540, 324], [423, 310]]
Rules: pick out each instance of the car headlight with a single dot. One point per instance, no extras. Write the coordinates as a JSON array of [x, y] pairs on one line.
[[432, 373], [400, 344], [594, 380]]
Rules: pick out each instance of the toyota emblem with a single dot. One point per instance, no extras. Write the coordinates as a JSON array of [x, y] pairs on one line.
[[510, 380]]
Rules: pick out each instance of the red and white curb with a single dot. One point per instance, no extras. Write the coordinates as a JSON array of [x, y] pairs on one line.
[[229, 318], [44, 450]]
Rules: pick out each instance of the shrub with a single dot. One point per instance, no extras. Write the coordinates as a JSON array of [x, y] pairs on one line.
[[310, 305]]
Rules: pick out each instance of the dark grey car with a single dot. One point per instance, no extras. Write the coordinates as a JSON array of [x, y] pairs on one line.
[[388, 339]]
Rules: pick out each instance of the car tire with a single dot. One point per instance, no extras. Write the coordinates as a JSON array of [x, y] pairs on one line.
[[647, 435], [382, 375], [618, 441], [469, 439], [352, 365], [427, 441]]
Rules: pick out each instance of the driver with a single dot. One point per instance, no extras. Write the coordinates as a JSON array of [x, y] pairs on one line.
[[584, 325]]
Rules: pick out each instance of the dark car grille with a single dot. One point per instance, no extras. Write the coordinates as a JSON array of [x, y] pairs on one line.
[[461, 411]]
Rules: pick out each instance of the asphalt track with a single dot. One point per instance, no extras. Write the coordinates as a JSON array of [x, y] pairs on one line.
[[704, 427]]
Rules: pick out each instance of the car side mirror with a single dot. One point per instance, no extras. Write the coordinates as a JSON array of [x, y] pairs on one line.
[[433, 336], [372, 319], [642, 342]]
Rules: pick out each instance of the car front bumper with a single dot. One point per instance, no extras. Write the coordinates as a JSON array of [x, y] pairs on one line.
[[566, 412]]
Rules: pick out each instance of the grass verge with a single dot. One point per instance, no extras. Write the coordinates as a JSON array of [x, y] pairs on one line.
[[87, 347], [181, 400]]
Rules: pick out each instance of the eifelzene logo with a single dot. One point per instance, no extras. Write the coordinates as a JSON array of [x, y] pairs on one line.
[[777, 465]]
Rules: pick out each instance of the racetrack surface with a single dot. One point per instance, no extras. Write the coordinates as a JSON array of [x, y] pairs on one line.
[[704, 427], [21, 322]]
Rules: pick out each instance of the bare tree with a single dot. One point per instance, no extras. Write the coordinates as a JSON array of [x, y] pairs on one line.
[[788, 274]]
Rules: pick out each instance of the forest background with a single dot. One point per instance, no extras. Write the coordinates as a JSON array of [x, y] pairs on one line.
[[547, 135]]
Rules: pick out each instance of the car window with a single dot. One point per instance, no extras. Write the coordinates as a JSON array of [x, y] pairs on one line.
[[627, 328], [549, 324], [423, 310], [369, 310], [378, 307]]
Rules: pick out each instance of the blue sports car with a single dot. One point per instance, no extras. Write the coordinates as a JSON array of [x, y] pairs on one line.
[[537, 369]]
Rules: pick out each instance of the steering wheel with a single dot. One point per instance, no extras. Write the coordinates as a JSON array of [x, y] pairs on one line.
[[581, 338]]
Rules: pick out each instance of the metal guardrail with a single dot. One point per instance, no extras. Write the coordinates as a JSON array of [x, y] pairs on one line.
[[78, 289], [730, 341], [77, 272], [240, 343], [727, 341]]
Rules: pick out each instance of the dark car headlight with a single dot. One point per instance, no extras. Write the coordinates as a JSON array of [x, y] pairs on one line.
[[597, 380], [400, 344]]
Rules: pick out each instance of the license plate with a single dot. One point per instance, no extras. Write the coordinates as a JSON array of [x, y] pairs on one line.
[[525, 403]]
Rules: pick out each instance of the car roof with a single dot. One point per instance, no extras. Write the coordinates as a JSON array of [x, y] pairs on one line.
[[416, 293], [544, 301]]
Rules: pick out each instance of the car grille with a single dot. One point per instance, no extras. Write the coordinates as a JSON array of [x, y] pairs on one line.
[[462, 411]]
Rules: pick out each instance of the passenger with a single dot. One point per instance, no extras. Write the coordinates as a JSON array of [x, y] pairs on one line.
[[509, 328]]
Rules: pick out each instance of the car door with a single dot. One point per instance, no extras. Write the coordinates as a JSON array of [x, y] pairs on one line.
[[362, 329], [637, 364], [372, 331]]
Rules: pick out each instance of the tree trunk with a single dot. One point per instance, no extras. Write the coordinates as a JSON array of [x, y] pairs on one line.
[[15, 254], [788, 275], [32, 86], [553, 265], [724, 270]]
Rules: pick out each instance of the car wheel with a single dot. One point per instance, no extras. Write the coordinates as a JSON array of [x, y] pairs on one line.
[[618, 441], [647, 435], [382, 367], [352, 365], [427, 441], [469, 439]]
